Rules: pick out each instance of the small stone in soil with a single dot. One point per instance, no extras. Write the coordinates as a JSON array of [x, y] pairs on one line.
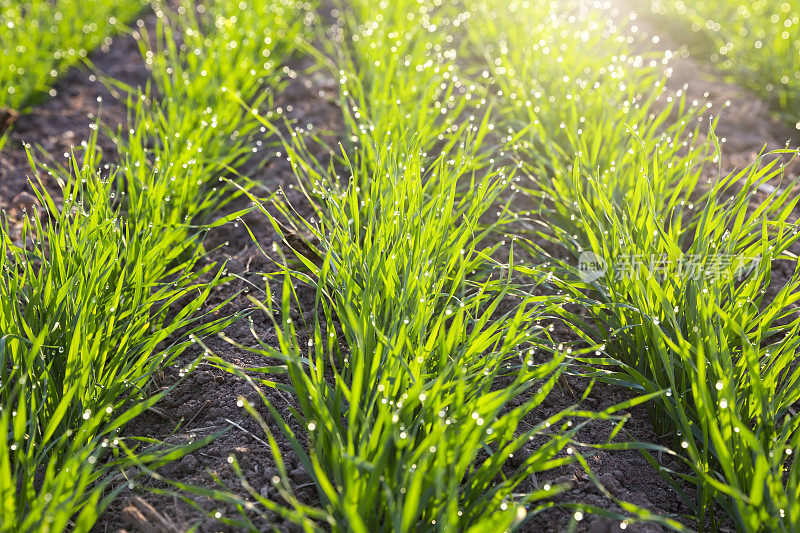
[[188, 463], [300, 476]]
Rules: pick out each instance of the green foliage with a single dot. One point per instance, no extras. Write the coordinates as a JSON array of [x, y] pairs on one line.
[[106, 289], [41, 39], [756, 43], [427, 363], [398, 418], [682, 307], [678, 299], [89, 299]]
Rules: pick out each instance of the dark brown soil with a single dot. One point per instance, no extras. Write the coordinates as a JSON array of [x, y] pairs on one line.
[[746, 126], [205, 401], [62, 123]]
